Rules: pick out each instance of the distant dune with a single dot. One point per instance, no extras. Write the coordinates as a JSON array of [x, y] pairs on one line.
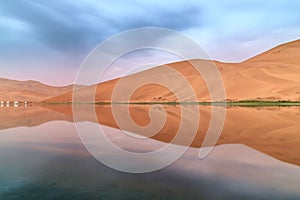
[[273, 75], [11, 90]]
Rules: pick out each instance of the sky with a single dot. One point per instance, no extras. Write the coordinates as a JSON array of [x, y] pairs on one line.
[[48, 40]]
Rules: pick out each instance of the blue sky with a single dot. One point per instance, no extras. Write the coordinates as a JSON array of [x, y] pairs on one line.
[[48, 40]]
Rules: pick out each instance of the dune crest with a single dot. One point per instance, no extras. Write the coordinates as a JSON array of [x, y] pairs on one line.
[[12, 90], [273, 75]]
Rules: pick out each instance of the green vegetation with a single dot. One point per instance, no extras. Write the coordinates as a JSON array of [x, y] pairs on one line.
[[255, 103], [243, 103]]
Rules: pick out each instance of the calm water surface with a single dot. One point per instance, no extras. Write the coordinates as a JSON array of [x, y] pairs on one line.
[[42, 157]]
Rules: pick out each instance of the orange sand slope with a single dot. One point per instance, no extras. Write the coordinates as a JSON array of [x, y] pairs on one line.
[[11, 90], [273, 75]]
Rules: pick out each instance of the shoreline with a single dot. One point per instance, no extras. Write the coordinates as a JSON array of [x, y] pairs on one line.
[[249, 103]]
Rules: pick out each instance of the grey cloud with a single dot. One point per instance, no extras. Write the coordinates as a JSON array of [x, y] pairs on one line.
[[55, 28], [76, 27]]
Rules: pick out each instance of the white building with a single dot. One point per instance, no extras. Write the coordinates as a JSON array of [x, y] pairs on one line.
[[16, 104]]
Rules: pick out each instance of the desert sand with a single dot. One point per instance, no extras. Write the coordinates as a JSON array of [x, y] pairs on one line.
[[273, 75], [12, 90]]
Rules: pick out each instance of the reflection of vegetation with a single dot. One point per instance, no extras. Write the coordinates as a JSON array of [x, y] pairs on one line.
[[246, 103], [54, 103]]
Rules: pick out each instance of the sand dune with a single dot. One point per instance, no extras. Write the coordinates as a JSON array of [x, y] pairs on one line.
[[288, 53], [12, 90], [273, 75]]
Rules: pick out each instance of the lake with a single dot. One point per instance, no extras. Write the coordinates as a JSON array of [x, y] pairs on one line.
[[43, 155]]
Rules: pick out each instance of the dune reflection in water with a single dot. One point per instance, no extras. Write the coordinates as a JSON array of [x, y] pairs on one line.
[[246, 162], [271, 130]]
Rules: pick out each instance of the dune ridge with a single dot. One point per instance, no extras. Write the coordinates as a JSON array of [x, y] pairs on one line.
[[13, 90], [271, 76]]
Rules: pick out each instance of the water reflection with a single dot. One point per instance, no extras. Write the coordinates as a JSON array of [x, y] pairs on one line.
[[270, 130], [49, 162], [29, 116]]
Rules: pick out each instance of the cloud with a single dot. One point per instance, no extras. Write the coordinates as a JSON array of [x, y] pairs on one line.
[[54, 34], [55, 28], [68, 26], [77, 26], [229, 26]]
